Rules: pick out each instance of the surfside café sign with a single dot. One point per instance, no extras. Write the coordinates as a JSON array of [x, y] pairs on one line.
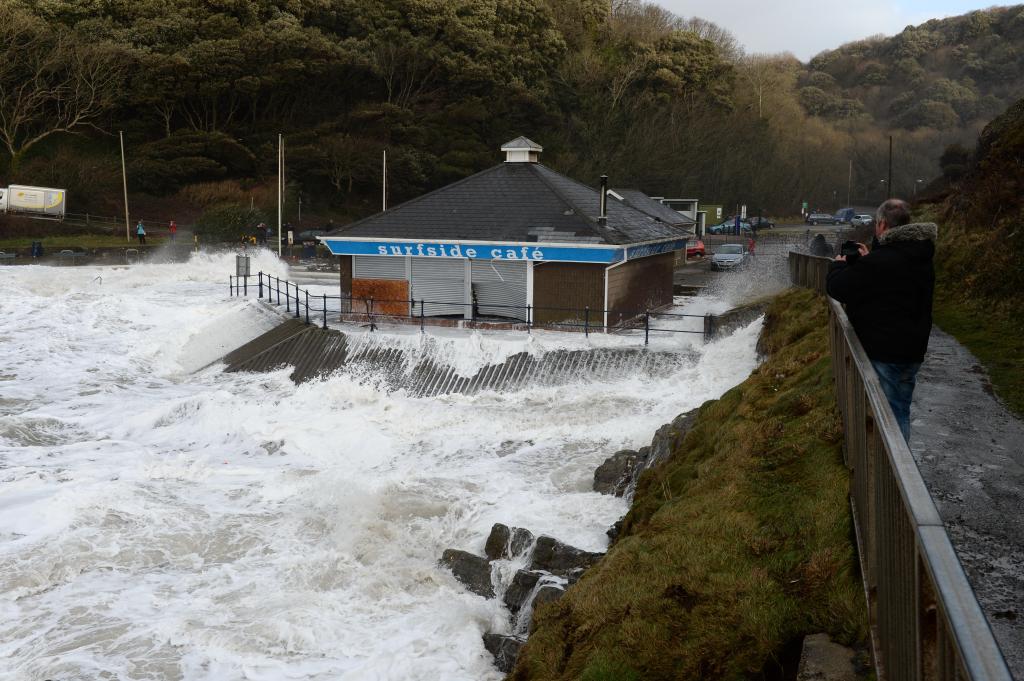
[[476, 250]]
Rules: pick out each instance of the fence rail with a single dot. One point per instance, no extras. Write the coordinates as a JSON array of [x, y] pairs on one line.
[[319, 306], [925, 619]]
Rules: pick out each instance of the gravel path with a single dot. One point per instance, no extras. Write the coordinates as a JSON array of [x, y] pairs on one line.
[[970, 450]]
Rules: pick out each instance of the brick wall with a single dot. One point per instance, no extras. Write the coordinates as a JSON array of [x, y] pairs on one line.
[[639, 285], [568, 285]]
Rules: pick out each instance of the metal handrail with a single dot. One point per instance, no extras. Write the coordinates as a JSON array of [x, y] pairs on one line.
[[925, 620], [292, 292]]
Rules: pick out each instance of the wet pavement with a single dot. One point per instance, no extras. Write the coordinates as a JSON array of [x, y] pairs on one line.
[[970, 450]]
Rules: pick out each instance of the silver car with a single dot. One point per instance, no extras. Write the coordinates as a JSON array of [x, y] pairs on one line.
[[862, 219], [729, 256]]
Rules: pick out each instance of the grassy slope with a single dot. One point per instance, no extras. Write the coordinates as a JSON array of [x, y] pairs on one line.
[[991, 329], [979, 293], [736, 547]]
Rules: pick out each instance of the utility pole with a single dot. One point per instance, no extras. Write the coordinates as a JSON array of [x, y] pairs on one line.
[[384, 184], [280, 178], [888, 185], [124, 179]]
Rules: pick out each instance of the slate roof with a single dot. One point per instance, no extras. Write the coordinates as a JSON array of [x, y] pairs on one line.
[[516, 202], [521, 143], [645, 204]]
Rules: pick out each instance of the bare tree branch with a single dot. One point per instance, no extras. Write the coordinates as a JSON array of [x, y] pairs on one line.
[[49, 83]]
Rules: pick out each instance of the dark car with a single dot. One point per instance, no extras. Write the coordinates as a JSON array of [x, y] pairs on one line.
[[820, 219], [761, 223], [309, 235], [729, 227]]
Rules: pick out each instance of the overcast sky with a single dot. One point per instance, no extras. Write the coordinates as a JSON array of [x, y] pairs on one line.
[[806, 27]]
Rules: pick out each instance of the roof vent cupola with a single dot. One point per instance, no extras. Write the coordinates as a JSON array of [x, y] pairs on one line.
[[521, 150]]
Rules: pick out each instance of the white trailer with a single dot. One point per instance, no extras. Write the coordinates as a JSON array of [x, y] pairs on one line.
[[39, 202]]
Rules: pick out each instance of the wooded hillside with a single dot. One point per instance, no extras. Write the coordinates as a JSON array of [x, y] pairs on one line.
[[671, 106]]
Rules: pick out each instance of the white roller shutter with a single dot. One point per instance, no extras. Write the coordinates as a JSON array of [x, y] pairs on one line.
[[441, 282], [378, 267], [498, 284]]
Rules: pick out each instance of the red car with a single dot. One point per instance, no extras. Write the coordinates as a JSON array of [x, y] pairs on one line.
[[695, 249]]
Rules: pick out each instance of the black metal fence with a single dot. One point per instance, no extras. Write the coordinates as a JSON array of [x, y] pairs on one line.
[[317, 307]]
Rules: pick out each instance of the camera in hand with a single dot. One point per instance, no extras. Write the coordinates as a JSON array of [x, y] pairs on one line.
[[850, 249]]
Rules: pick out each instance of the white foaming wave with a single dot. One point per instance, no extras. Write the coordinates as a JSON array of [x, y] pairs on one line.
[[221, 526]]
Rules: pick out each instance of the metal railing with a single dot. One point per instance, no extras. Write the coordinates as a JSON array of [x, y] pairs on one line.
[[301, 303], [926, 622]]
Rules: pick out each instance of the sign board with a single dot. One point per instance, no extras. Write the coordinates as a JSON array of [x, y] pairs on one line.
[[743, 211], [291, 237], [634, 252], [718, 213], [803, 208], [477, 250], [242, 266]]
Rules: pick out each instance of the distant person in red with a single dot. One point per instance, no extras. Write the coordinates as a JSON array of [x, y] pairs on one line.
[[173, 229], [750, 245]]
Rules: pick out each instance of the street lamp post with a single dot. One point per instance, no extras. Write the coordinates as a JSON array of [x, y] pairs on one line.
[[916, 182], [884, 188]]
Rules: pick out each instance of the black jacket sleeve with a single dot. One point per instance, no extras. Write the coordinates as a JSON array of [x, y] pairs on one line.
[[851, 283]]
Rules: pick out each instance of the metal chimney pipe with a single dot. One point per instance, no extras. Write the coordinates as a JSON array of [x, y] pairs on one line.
[[603, 215]]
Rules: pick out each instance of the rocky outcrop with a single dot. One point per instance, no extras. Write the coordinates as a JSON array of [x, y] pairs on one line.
[[614, 475], [530, 588], [546, 593], [519, 591], [507, 542], [620, 472], [504, 648], [551, 555], [472, 570], [553, 566]]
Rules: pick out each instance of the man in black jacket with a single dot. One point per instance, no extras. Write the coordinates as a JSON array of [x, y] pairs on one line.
[[888, 296]]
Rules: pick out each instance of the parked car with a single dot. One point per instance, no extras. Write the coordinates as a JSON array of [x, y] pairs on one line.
[[761, 223], [729, 227], [728, 257], [844, 216], [309, 235], [695, 249], [820, 219], [862, 219]]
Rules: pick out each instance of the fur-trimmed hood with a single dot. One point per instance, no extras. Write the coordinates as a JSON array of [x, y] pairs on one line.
[[915, 231]]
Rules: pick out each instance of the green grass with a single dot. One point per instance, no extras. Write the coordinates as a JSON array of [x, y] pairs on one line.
[[979, 300], [78, 242], [997, 342], [736, 547]]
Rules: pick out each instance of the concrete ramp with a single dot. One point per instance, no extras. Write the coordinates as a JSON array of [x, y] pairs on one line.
[[315, 352]]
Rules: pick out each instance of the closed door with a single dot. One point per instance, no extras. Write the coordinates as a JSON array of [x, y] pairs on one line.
[[499, 288], [441, 283]]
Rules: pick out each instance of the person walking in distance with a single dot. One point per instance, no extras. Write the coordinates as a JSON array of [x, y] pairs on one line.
[[140, 232], [173, 230], [751, 245], [888, 292]]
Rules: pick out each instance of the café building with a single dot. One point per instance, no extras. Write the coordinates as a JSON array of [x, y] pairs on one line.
[[517, 241]]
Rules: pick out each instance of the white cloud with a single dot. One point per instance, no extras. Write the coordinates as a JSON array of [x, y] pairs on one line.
[[806, 27]]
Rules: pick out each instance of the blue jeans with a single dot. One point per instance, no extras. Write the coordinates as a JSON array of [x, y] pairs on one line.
[[898, 381]]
